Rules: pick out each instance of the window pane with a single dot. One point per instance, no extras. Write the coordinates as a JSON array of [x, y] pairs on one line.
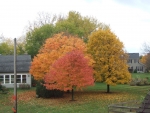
[[23, 78], [6, 78], [1, 76], [2, 79], [134, 60], [12, 78], [138, 68], [18, 78]]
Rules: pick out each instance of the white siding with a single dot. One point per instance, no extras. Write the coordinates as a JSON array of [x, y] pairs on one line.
[[21, 78], [136, 65]]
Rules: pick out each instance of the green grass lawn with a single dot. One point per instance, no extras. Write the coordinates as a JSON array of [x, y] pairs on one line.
[[92, 99], [141, 75]]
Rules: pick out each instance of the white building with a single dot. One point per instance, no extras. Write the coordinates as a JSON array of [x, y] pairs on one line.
[[7, 70], [135, 64]]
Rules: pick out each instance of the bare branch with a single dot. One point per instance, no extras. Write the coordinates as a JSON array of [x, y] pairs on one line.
[[146, 47], [44, 18]]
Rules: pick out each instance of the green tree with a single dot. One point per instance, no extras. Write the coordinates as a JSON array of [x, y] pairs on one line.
[[45, 27], [21, 46], [110, 58], [36, 38], [76, 24], [6, 47]]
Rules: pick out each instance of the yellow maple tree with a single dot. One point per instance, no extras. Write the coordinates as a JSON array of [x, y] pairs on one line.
[[110, 58], [146, 61], [143, 59]]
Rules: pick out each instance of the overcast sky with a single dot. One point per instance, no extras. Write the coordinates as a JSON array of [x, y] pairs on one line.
[[128, 19]]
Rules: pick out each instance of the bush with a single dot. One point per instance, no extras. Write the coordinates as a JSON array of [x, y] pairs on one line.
[[34, 82], [3, 89], [146, 81], [41, 91], [132, 82], [24, 86], [135, 71], [139, 82]]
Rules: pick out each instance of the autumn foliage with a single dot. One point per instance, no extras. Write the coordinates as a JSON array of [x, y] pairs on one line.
[[143, 59], [146, 61], [70, 71], [110, 58], [54, 48]]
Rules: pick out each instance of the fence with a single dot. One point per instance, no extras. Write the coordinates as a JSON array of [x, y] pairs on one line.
[[145, 105], [124, 107]]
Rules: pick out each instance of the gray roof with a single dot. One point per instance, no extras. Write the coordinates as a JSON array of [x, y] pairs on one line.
[[133, 55], [7, 63]]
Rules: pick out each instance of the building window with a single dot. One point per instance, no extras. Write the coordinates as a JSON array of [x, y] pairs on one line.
[[131, 67], [23, 78], [139, 68], [9, 79], [142, 68], [2, 79], [18, 79], [135, 60], [6, 78], [12, 78], [129, 60]]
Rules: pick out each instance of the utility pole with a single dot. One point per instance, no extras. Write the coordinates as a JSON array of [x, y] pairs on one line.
[[15, 82]]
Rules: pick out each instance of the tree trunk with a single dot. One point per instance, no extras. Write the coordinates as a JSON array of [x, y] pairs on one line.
[[108, 90], [68, 91], [72, 94]]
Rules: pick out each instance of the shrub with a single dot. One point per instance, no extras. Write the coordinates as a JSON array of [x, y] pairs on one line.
[[4, 89], [135, 71], [34, 82], [147, 78], [139, 82], [24, 86], [146, 81], [132, 82], [41, 91]]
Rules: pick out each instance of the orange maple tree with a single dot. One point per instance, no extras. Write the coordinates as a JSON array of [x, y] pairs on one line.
[[54, 48], [69, 72]]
